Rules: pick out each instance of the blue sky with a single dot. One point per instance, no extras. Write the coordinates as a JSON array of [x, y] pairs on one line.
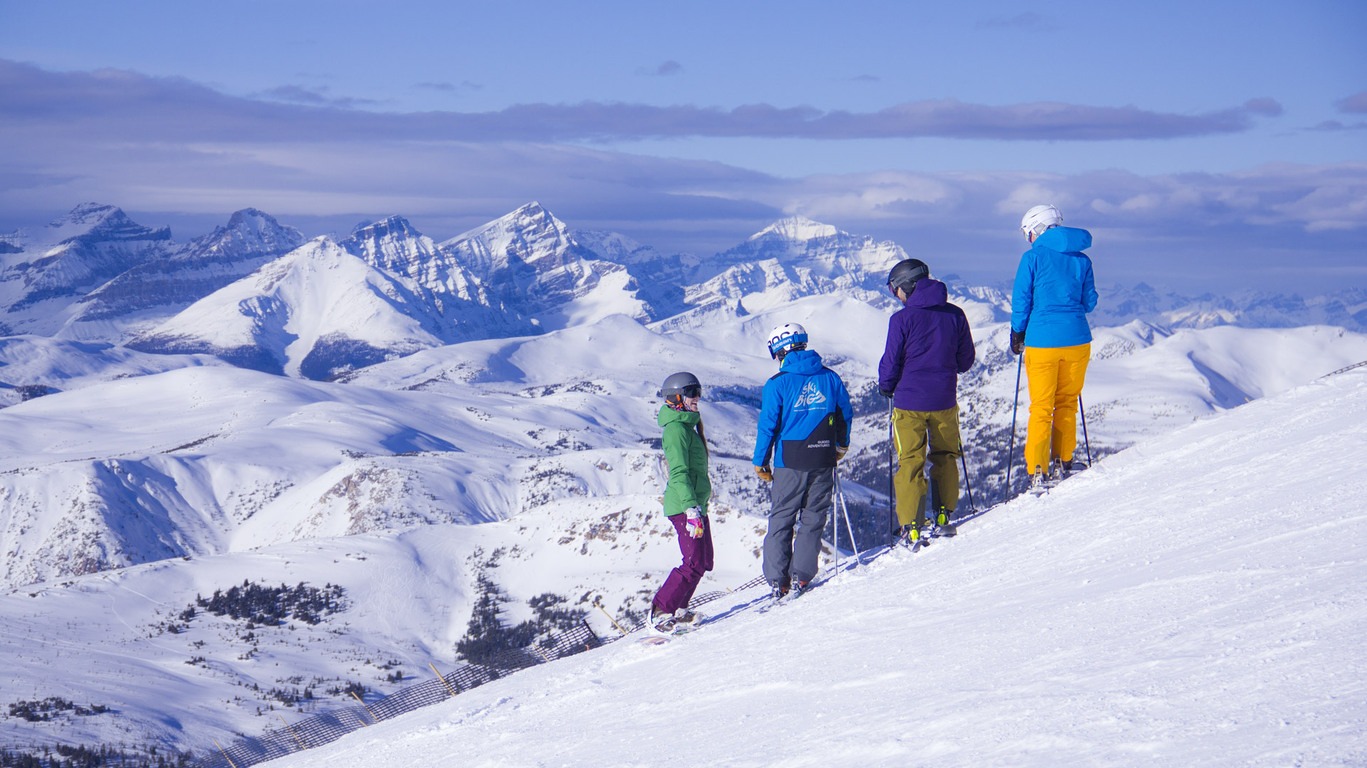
[[1206, 145]]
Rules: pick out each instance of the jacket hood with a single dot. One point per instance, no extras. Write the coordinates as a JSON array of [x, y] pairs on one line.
[[928, 293], [668, 415], [803, 361], [1065, 239]]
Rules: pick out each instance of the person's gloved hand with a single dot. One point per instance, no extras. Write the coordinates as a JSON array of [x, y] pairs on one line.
[[1017, 342], [840, 451], [694, 525], [764, 473], [885, 393]]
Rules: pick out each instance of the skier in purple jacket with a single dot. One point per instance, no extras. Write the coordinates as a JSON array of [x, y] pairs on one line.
[[929, 344]]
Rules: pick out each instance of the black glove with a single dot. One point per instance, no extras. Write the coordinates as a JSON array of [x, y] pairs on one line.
[[1017, 342], [885, 392]]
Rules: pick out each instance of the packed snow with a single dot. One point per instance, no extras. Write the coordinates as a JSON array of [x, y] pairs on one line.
[[1193, 600]]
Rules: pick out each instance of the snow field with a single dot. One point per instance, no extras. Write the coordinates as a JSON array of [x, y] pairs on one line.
[[1194, 600]]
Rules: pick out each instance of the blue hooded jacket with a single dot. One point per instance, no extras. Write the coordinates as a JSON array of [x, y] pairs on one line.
[[1054, 290], [804, 415]]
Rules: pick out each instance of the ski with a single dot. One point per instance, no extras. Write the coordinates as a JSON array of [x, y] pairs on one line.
[[655, 636], [1056, 474]]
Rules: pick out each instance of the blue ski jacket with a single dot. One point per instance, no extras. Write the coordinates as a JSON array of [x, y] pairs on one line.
[[1055, 290], [804, 415]]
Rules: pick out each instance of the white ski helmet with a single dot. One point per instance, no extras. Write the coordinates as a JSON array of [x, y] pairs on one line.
[[1040, 218], [786, 338]]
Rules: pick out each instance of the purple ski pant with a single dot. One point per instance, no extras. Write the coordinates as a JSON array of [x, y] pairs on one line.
[[697, 560]]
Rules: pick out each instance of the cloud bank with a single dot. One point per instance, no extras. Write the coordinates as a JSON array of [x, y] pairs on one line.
[[172, 151], [133, 106]]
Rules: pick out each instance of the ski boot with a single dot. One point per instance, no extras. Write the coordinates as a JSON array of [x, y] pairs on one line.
[[944, 523]]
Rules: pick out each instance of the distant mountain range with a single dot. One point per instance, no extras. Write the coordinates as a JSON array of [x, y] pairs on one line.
[[254, 294], [420, 420]]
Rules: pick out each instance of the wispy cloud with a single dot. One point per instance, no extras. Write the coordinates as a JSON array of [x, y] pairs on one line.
[[1028, 20], [316, 97], [1355, 104], [665, 69], [449, 87]]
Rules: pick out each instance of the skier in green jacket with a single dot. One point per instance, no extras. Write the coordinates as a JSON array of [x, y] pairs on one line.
[[685, 501]]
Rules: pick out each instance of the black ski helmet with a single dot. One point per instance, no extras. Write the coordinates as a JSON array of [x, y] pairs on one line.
[[680, 385], [906, 273]]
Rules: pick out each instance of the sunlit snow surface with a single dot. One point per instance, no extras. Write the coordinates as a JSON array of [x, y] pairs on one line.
[[391, 482], [1195, 600]]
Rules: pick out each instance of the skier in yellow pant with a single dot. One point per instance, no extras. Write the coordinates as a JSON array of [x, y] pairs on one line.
[[1055, 375], [1053, 292]]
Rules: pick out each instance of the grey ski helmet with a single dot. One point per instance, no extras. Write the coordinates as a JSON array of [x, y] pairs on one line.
[[680, 385], [906, 273]]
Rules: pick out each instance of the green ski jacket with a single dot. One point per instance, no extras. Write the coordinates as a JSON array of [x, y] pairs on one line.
[[686, 455]]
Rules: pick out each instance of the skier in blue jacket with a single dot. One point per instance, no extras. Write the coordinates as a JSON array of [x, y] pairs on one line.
[[804, 430], [1053, 293]]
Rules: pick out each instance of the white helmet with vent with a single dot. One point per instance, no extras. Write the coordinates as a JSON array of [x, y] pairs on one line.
[[1040, 218]]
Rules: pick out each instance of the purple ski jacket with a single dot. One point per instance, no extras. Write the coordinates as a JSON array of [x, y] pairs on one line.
[[929, 345]]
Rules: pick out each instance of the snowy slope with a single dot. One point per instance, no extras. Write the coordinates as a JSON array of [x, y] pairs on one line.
[[125, 645], [314, 312], [1197, 602], [208, 459]]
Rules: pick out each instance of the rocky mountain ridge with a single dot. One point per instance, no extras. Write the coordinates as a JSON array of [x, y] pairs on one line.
[[95, 275]]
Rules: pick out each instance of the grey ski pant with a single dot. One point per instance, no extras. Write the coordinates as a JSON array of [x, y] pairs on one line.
[[797, 516]]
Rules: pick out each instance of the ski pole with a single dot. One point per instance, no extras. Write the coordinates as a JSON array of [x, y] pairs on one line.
[[968, 483], [835, 521], [1011, 449], [892, 448], [1085, 440], [845, 509]]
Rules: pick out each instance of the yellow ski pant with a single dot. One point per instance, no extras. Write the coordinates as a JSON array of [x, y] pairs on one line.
[[1055, 375], [911, 430]]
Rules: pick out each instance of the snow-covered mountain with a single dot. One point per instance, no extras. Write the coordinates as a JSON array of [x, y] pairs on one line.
[[792, 258], [404, 413], [217, 458], [452, 292], [71, 256], [157, 289], [316, 312], [95, 275], [1346, 309], [530, 263]]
